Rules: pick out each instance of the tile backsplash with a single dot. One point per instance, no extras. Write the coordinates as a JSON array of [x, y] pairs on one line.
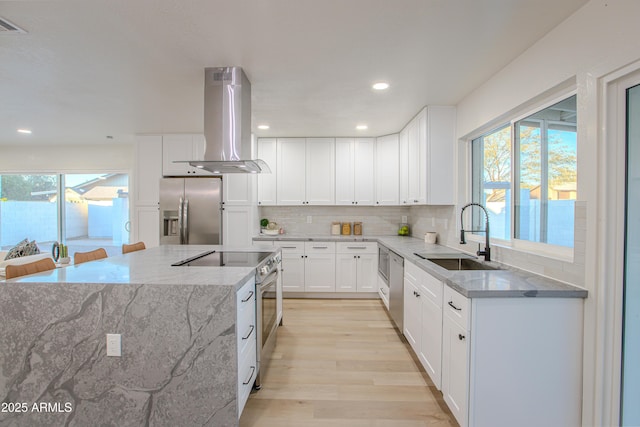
[[375, 220]]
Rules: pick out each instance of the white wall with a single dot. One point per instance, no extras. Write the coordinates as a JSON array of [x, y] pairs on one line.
[[66, 158], [590, 37], [592, 44]]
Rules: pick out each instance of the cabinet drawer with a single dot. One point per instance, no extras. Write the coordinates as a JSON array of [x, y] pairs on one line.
[[247, 371], [320, 247], [413, 271], [457, 307], [246, 330], [357, 247], [291, 247], [432, 288], [246, 298]]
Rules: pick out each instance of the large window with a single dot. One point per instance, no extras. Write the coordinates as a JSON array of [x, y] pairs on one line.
[[94, 213], [541, 187]]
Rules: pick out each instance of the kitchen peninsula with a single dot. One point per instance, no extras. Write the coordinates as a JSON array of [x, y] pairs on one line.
[[179, 342]]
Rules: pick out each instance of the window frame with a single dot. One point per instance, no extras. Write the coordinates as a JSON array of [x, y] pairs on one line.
[[562, 253]]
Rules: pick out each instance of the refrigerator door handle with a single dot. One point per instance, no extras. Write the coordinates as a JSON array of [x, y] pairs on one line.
[[180, 222], [185, 221]]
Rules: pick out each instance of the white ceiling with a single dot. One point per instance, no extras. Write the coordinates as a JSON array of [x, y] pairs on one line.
[[92, 68]]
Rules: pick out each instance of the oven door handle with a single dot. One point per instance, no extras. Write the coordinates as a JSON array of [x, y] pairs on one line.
[[268, 280]]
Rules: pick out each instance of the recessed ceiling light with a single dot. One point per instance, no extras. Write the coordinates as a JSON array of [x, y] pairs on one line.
[[380, 86], [362, 127], [200, 166], [263, 127], [27, 131]]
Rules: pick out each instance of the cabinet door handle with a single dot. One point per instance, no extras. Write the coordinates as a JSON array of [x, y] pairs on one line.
[[249, 334], [287, 247], [248, 297], [356, 247], [320, 247], [461, 337], [253, 370], [453, 306]]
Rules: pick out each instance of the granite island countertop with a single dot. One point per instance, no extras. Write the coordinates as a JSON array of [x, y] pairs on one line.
[[504, 282], [150, 267], [178, 327]]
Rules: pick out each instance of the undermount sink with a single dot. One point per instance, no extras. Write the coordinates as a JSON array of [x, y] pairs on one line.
[[461, 264], [456, 261]]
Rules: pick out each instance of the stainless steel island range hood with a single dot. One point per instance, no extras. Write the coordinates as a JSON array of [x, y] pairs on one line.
[[227, 123]]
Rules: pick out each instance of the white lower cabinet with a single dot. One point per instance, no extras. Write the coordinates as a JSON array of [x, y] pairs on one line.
[[356, 267], [246, 341], [455, 368], [423, 318], [512, 361], [308, 266], [320, 267], [292, 266], [412, 315]]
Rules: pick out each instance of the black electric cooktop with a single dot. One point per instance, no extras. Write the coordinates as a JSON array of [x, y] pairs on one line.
[[224, 259]]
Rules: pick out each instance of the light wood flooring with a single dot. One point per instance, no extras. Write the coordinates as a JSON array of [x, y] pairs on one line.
[[341, 363]]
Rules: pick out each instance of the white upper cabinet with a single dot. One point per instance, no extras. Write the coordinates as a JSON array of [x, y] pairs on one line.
[[413, 161], [237, 189], [320, 171], [387, 170], [403, 166], [291, 171], [267, 183], [426, 157], [440, 156], [306, 169], [363, 167], [414, 167], [182, 148], [355, 184]]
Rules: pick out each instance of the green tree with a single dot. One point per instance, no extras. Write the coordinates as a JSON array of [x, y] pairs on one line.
[[22, 187]]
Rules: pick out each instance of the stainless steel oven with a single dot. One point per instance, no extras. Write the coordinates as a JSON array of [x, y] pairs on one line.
[[267, 314]]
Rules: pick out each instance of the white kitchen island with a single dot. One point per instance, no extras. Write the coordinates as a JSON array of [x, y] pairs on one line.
[[179, 342]]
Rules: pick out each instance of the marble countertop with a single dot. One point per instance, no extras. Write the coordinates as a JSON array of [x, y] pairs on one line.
[[149, 267], [504, 282]]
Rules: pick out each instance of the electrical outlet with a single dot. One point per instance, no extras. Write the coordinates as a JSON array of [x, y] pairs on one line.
[[433, 222], [114, 345], [404, 219], [309, 219]]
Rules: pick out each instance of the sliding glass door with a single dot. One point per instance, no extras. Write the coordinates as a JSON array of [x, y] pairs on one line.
[[85, 211], [630, 409]]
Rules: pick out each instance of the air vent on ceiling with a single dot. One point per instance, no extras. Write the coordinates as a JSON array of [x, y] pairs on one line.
[[7, 27]]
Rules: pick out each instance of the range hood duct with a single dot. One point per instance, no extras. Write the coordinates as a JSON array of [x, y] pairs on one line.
[[227, 123]]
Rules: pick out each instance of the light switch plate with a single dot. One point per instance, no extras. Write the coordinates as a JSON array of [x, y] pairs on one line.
[[309, 219], [404, 219], [114, 345]]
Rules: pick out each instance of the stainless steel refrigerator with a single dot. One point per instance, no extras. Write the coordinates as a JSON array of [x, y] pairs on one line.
[[190, 211]]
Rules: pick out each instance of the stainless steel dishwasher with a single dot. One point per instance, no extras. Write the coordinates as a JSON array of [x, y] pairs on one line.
[[396, 288]]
